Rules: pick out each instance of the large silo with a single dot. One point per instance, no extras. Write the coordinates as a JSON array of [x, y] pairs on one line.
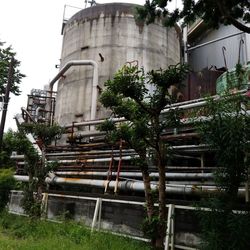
[[109, 35]]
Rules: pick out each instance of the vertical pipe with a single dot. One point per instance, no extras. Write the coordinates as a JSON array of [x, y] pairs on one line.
[[168, 231], [45, 205], [119, 168], [172, 228], [247, 184], [97, 205], [109, 177], [185, 44], [202, 163], [94, 92], [37, 113], [100, 214]]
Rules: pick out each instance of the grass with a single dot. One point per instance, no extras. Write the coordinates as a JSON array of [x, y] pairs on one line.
[[21, 233]]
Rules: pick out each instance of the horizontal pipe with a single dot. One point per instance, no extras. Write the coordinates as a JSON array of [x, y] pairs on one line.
[[17, 157], [84, 157], [83, 134], [94, 122], [130, 185], [95, 160], [91, 152], [213, 41], [180, 105], [22, 178], [190, 146], [138, 174]]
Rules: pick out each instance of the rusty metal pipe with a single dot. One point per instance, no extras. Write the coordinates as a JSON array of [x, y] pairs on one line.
[[95, 160], [131, 185]]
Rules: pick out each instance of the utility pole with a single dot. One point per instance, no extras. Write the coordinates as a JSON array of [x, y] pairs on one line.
[[6, 100]]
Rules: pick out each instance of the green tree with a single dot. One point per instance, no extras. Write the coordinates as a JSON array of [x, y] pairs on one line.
[[37, 166], [228, 132], [213, 12], [9, 142], [6, 53], [127, 96]]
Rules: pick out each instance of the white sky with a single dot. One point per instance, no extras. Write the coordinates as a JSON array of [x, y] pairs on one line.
[[33, 28]]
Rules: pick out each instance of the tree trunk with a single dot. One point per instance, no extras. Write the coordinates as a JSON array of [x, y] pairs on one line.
[[148, 194], [162, 203], [40, 177]]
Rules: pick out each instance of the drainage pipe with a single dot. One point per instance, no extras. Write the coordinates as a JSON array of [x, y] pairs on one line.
[[94, 85]]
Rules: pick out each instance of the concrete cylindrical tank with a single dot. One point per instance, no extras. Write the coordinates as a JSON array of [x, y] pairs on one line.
[[109, 35]]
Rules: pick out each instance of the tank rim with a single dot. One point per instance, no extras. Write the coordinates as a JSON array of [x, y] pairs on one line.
[[94, 12]]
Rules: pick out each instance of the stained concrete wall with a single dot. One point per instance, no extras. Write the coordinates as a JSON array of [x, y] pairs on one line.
[[111, 30], [119, 218]]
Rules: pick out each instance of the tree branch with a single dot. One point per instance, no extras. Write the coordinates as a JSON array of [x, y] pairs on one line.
[[226, 15], [143, 106], [238, 24]]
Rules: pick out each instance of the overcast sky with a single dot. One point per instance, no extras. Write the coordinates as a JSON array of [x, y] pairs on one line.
[[33, 28]]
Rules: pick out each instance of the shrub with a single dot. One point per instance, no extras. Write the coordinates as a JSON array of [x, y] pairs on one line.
[[7, 182]]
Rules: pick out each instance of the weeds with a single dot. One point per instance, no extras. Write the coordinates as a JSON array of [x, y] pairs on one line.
[[22, 233]]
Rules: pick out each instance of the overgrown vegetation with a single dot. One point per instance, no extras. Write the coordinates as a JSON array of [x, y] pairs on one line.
[[36, 165], [9, 144], [127, 96], [7, 183], [212, 12], [27, 234], [228, 132]]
